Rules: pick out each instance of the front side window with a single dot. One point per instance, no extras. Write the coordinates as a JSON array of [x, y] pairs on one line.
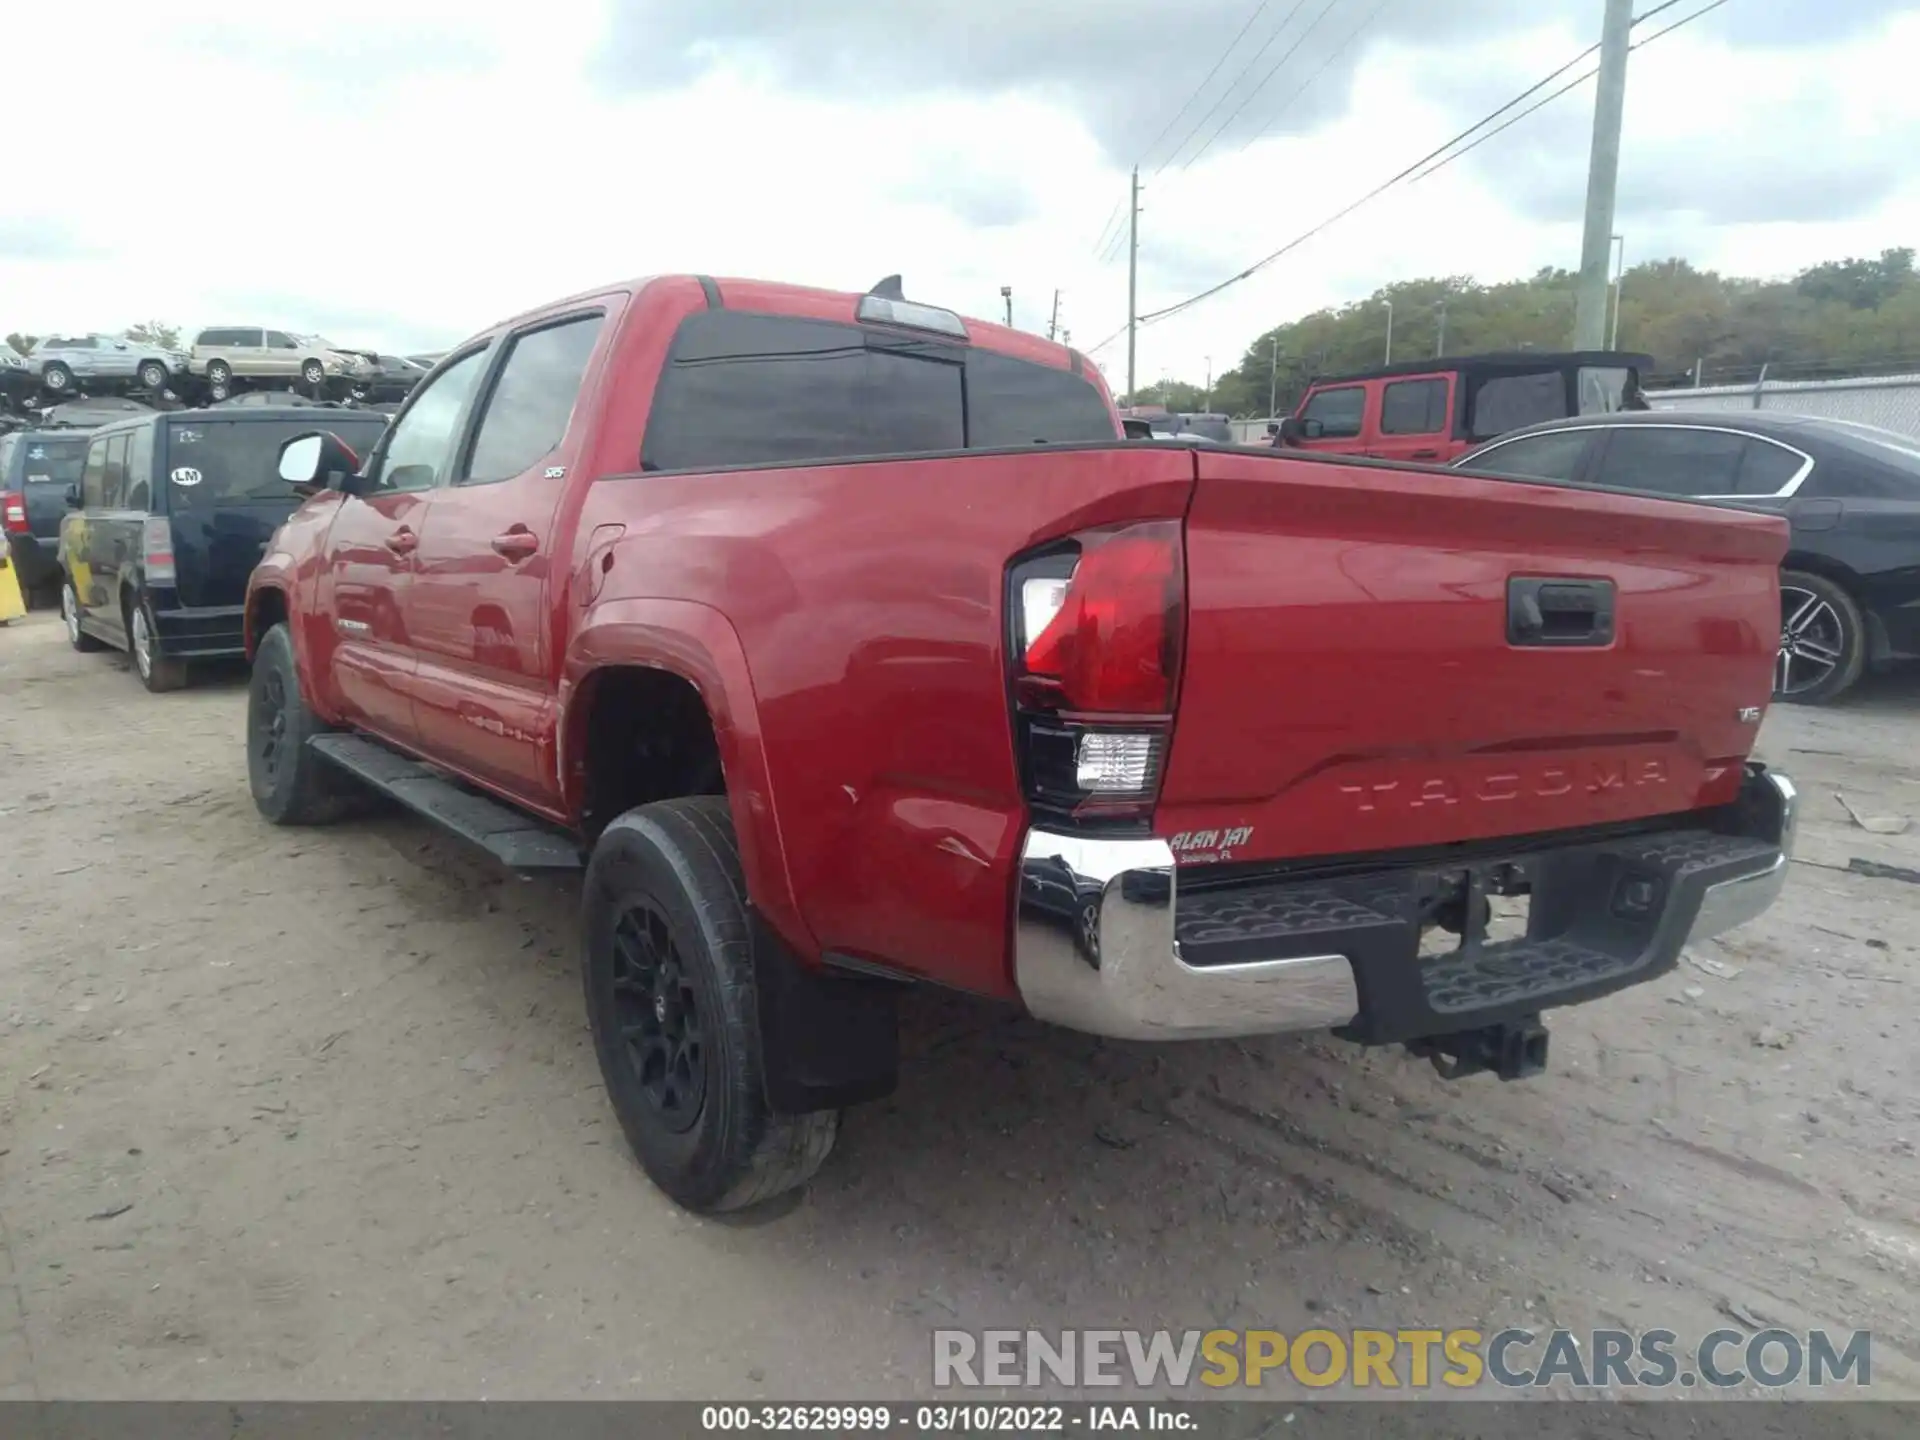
[[1671, 461], [1556, 455], [1340, 411], [420, 447], [531, 404], [280, 340], [744, 389], [1414, 407]]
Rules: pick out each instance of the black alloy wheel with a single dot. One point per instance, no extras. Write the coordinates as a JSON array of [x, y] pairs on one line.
[[661, 1026]]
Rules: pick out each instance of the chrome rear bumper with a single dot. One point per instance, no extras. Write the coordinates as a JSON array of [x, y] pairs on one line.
[[1100, 934]]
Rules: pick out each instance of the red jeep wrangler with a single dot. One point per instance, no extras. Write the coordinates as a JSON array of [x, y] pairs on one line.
[[1437, 410], [847, 645]]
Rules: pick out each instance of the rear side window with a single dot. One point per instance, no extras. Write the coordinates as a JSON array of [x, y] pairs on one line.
[[140, 469], [1513, 402], [114, 485], [1414, 407], [1767, 468], [1672, 461], [228, 462], [1553, 456], [531, 403], [744, 389], [93, 479], [1339, 411]]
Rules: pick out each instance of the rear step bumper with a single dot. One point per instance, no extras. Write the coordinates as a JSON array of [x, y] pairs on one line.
[[1107, 941]]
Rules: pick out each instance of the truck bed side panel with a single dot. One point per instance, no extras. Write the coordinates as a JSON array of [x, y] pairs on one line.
[[868, 599]]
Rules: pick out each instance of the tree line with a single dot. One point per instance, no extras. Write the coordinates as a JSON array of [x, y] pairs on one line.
[[1843, 317]]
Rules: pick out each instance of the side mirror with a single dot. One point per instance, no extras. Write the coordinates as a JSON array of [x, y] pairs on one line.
[[73, 497], [1136, 429], [1290, 431], [310, 462]]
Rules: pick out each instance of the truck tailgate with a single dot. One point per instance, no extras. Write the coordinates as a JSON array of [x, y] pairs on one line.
[[1350, 684]]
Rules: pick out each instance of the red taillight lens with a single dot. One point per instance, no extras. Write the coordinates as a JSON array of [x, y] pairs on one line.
[[1095, 624], [156, 546], [13, 513], [1114, 645]]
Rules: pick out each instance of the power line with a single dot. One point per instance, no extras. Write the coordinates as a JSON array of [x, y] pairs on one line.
[[1573, 84], [1424, 161], [1245, 71], [1266, 80], [1313, 79], [1100, 240], [1258, 10]]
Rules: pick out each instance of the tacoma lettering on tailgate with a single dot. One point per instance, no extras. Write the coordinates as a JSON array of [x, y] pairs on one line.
[[1593, 777]]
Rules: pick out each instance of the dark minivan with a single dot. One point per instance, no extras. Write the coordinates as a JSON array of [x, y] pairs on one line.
[[169, 517], [37, 468]]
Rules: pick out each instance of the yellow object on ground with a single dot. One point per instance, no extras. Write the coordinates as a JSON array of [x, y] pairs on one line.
[[12, 603]]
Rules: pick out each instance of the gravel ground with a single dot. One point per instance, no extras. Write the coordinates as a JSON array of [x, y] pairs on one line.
[[315, 1114]]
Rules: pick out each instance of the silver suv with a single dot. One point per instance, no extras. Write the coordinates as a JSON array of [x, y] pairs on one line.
[[65, 363], [255, 353]]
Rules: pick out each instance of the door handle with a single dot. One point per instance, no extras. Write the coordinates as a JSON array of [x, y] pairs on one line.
[[1426, 455], [516, 545], [403, 541]]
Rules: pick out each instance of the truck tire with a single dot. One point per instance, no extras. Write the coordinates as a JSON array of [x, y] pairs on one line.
[[1828, 640], [57, 377], [667, 962], [291, 784]]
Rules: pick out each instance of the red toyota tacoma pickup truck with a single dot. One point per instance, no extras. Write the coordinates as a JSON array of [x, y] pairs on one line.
[[847, 645]]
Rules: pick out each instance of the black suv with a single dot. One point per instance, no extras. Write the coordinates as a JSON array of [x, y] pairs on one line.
[[37, 467], [170, 515]]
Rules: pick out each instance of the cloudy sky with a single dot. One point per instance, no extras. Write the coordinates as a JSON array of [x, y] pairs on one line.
[[402, 172]]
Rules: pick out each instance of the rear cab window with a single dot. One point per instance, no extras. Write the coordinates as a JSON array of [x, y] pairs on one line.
[[235, 462], [750, 389]]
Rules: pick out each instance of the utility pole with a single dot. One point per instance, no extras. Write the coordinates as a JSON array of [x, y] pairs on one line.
[[1619, 281], [1603, 177], [1273, 378], [1053, 321], [1006, 294], [1206, 405], [1440, 344], [1389, 305], [1133, 275]]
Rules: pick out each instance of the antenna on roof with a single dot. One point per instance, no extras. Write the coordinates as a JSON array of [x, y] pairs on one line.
[[889, 289]]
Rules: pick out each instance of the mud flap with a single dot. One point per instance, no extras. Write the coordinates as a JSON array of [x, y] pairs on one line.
[[826, 1041]]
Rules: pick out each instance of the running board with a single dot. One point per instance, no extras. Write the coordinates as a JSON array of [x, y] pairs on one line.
[[514, 839]]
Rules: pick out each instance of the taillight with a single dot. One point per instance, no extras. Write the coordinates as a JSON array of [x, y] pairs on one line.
[[13, 513], [1096, 628], [156, 549]]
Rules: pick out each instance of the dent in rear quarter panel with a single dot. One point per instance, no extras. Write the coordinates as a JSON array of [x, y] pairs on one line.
[[868, 600], [1349, 685]]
